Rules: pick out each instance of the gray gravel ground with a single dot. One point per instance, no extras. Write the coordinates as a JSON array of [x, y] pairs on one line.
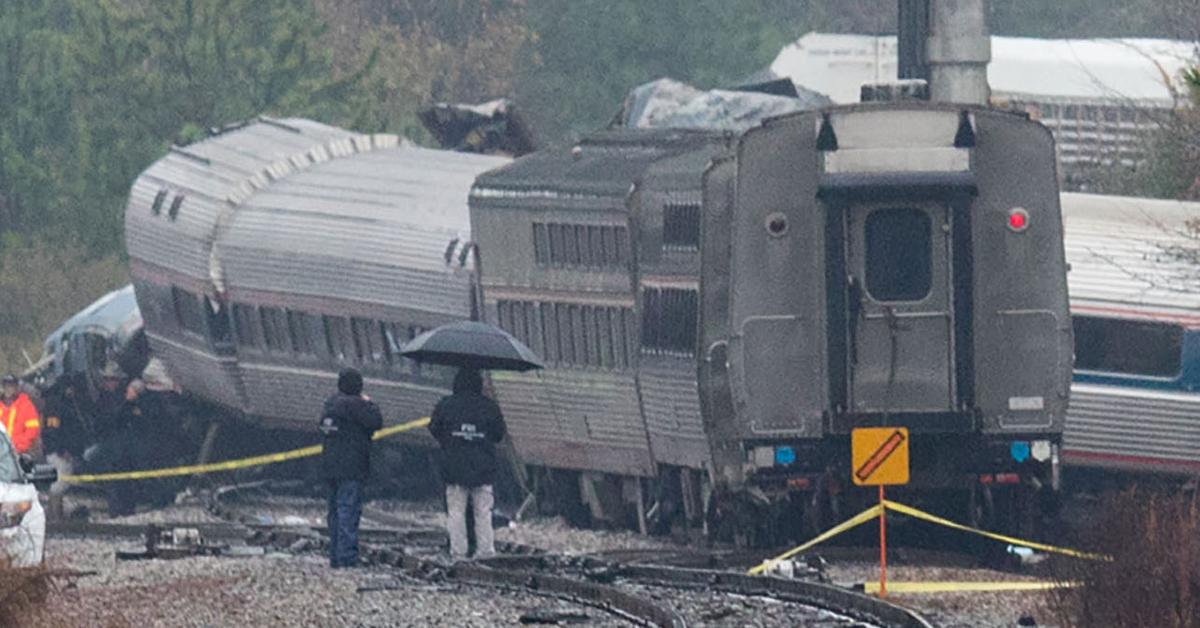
[[276, 590], [706, 609], [955, 610], [303, 591]]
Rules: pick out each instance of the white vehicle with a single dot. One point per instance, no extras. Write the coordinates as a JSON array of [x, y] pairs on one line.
[[22, 519]]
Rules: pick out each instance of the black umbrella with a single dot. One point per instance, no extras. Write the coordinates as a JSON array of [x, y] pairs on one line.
[[470, 344]]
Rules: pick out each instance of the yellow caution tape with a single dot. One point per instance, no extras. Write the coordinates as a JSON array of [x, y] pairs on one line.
[[230, 465], [966, 587], [920, 514], [852, 522]]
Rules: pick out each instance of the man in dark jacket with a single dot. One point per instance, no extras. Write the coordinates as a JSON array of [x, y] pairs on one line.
[[348, 421], [468, 425]]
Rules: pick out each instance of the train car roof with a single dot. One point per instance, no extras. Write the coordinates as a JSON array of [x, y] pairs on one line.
[[175, 205], [300, 207], [1116, 71], [372, 226], [1132, 256], [603, 164]]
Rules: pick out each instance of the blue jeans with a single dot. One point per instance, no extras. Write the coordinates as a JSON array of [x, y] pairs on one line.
[[345, 508]]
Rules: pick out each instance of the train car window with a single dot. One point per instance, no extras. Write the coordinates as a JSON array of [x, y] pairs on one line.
[[503, 315], [299, 332], [413, 332], [218, 322], [669, 321], [156, 206], [681, 226], [541, 244], [899, 254], [585, 353], [595, 247], [274, 326], [620, 350], [391, 342], [651, 315], [549, 332], [629, 320], [246, 325], [557, 246], [509, 317], [603, 326], [585, 251], [1128, 347], [366, 337], [608, 245], [570, 245], [337, 338], [621, 250], [173, 212], [187, 311], [525, 323], [566, 334]]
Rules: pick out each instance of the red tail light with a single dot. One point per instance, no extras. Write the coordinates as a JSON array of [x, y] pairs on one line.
[[1018, 219]]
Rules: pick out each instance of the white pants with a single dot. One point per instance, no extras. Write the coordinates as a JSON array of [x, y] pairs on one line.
[[456, 520]]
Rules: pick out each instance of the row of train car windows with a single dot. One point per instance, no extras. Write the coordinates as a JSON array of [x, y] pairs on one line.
[[570, 334], [1108, 113], [592, 246], [294, 332], [602, 336]]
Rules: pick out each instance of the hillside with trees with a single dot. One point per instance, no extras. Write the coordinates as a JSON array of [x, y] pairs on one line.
[[93, 91]]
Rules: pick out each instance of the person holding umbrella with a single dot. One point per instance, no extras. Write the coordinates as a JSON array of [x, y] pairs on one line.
[[468, 425]]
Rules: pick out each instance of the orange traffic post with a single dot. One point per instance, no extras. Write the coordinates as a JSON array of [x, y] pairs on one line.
[[882, 545]]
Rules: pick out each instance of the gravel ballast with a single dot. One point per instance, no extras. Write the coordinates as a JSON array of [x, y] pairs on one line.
[[300, 590]]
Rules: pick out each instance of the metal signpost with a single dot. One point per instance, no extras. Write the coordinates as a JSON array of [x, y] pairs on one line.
[[879, 457]]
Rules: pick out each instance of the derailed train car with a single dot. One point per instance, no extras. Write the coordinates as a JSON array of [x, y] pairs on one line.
[[888, 264], [272, 254]]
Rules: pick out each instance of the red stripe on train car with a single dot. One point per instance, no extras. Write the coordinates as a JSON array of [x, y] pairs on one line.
[[1142, 461], [1186, 320]]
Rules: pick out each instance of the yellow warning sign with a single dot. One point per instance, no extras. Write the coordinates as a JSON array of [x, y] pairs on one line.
[[879, 456]]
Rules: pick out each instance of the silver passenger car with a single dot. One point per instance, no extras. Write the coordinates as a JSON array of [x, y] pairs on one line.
[[1135, 400], [271, 255]]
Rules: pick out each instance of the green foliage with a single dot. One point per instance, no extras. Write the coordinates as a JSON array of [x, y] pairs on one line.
[[409, 54], [43, 283], [93, 91], [587, 54]]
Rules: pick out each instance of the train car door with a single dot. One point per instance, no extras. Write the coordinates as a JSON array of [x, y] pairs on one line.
[[898, 258]]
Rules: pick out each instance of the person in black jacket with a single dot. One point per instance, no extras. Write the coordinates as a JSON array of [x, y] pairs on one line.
[[468, 425], [348, 421]]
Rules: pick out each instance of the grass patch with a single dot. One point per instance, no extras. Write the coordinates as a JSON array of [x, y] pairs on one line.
[[1153, 578]]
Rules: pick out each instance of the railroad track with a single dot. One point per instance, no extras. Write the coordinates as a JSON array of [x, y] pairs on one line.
[[627, 584]]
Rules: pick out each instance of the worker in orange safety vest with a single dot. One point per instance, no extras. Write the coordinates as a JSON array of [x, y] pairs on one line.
[[18, 415]]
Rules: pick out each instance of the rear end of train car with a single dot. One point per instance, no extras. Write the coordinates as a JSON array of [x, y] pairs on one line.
[[887, 264]]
